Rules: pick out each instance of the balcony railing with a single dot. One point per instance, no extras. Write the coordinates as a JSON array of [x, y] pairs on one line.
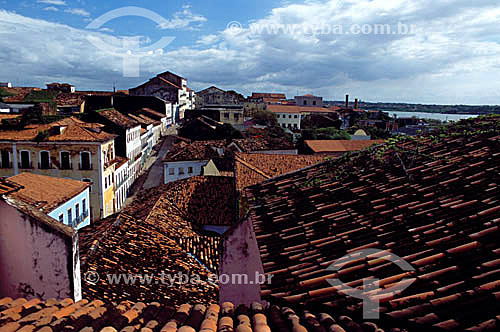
[[78, 220]]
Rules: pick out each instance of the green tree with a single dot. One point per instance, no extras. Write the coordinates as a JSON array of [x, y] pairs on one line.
[[266, 118]]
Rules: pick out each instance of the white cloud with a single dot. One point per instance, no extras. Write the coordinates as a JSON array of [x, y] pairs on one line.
[[207, 39], [51, 9], [53, 2], [452, 58], [184, 19], [77, 11]]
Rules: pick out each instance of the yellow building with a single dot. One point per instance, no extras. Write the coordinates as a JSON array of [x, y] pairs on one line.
[[68, 148]]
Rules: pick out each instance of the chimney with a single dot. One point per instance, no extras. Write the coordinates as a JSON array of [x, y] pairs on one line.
[[356, 103], [346, 102]]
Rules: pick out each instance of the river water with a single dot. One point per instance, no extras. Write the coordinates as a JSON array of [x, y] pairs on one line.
[[434, 116]]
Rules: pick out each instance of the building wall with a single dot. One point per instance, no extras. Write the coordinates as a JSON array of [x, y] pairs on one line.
[[71, 204], [240, 255], [231, 117], [36, 260], [289, 120], [95, 175], [184, 165], [121, 186], [309, 101]]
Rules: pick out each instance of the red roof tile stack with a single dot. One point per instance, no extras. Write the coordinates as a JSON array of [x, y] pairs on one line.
[[340, 146], [73, 130], [88, 316], [253, 168], [433, 201], [156, 234], [205, 200], [46, 192]]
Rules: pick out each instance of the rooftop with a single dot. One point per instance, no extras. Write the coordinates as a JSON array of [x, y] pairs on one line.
[[118, 118], [334, 146], [74, 130], [151, 235], [45, 192], [190, 316], [301, 109], [253, 168], [432, 201]]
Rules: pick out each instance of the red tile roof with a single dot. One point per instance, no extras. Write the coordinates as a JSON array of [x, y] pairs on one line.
[[18, 94], [118, 118], [269, 95], [75, 130], [191, 316], [153, 234], [336, 146], [46, 192], [7, 187], [70, 99], [253, 168], [432, 201]]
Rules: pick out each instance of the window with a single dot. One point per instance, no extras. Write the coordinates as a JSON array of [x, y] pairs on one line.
[[295, 116], [181, 170], [106, 183], [88, 181], [85, 163], [295, 125], [314, 102], [65, 160], [77, 210], [44, 160], [305, 102], [70, 216], [226, 115], [61, 218], [190, 170], [171, 171], [278, 116], [25, 160], [290, 116], [5, 159], [84, 206]]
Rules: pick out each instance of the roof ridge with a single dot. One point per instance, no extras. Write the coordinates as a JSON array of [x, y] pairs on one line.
[[253, 167]]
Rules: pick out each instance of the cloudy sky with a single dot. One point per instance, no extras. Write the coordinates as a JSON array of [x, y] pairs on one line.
[[450, 54]]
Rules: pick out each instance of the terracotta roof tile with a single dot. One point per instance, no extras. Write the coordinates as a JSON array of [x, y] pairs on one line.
[[118, 118], [157, 233], [194, 317], [74, 130], [431, 200], [46, 192], [337, 146]]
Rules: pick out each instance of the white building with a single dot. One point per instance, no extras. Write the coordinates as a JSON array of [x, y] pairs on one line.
[[122, 183], [177, 170], [65, 200], [4, 108]]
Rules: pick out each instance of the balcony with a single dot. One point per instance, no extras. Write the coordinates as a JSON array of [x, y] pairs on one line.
[[80, 219]]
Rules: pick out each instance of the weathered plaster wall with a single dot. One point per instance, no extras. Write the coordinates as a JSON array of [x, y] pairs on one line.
[[35, 259], [240, 255]]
